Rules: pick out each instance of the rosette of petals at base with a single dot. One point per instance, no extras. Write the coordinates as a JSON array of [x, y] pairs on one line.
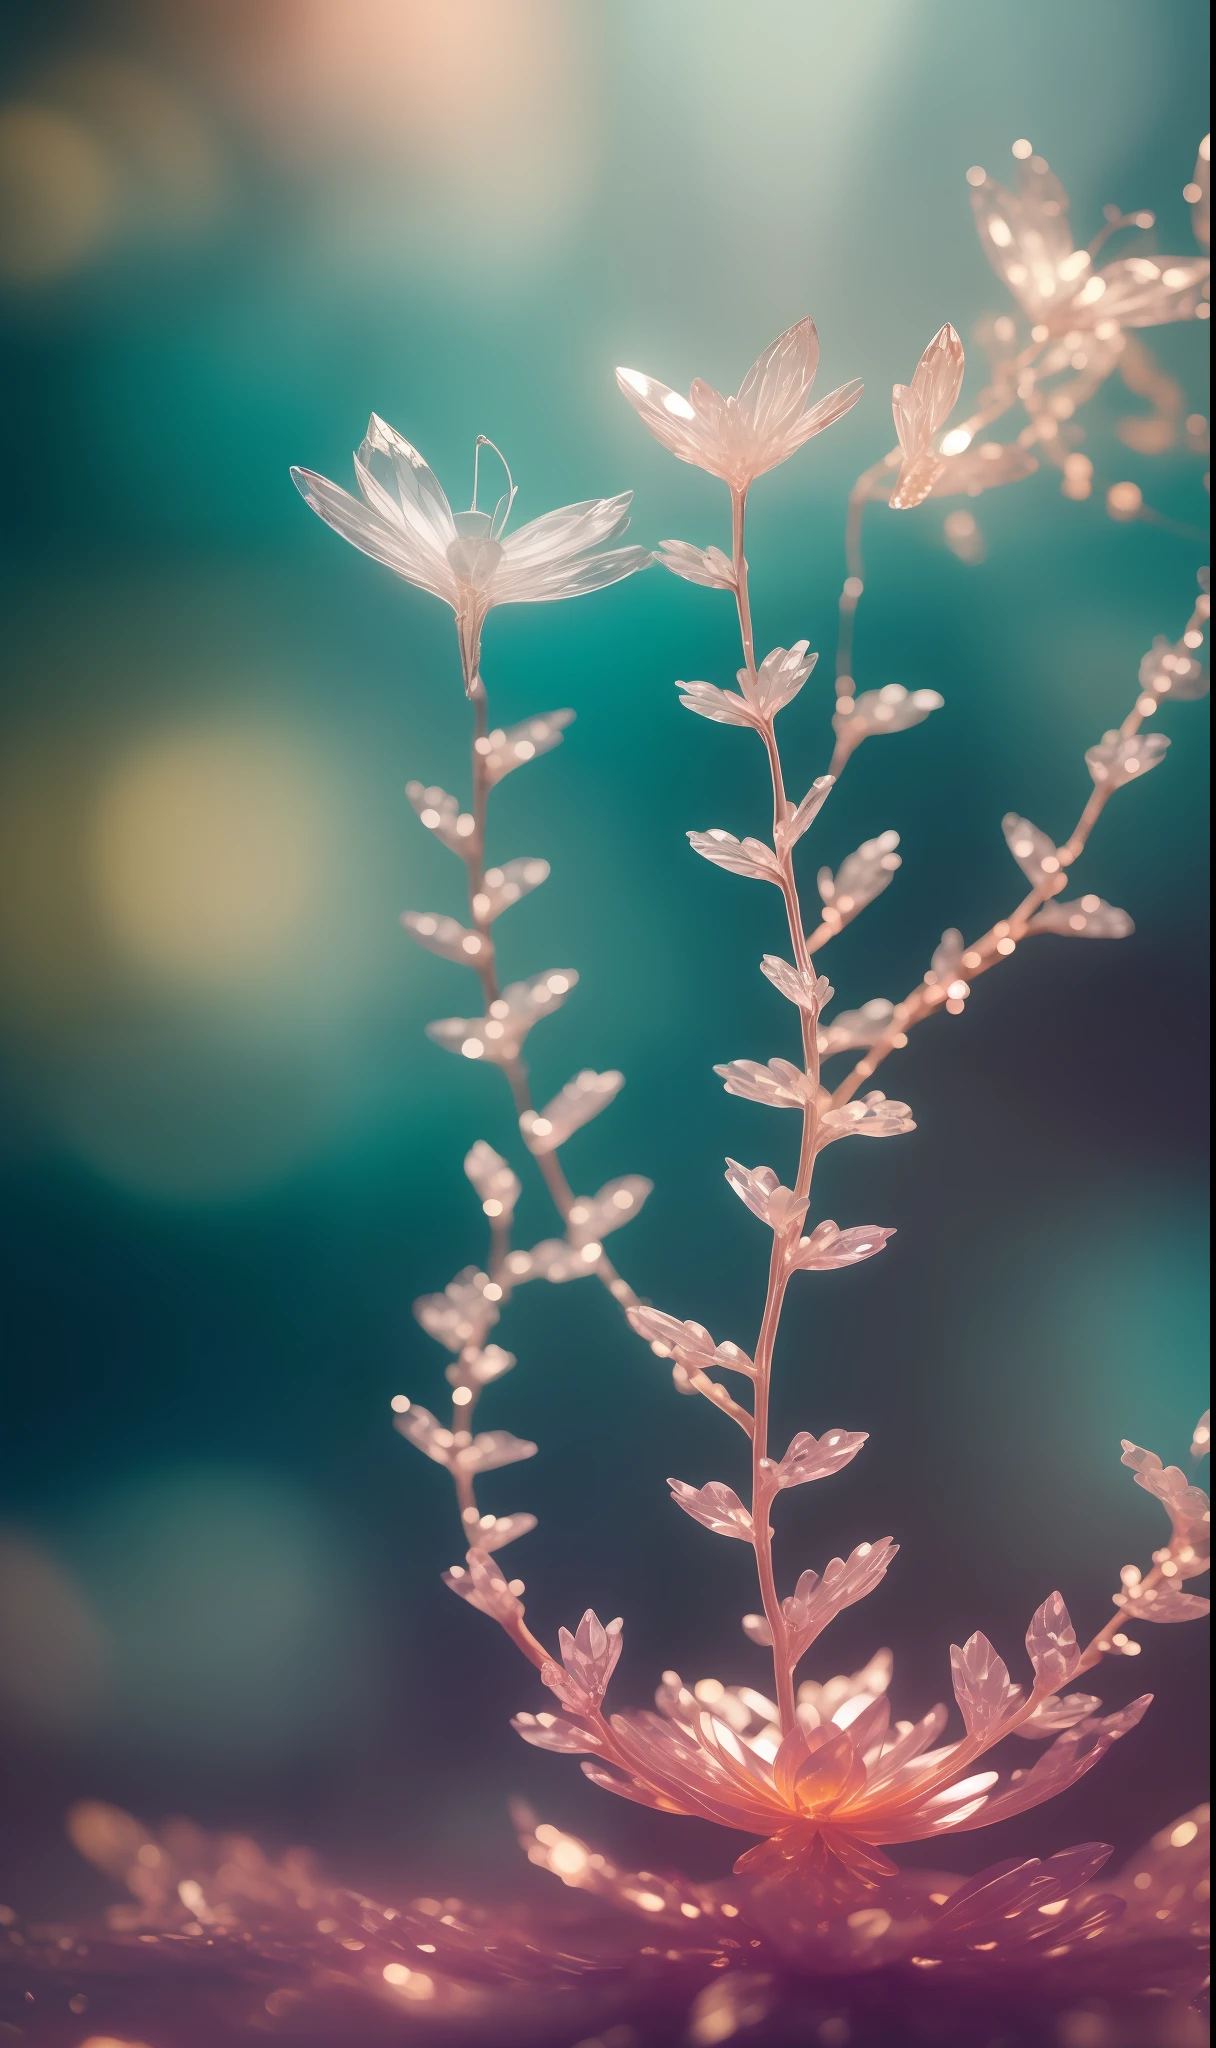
[[1089, 917], [1029, 244], [717, 1753], [1036, 854], [498, 1036], [739, 438], [891, 709], [589, 1658], [764, 1195], [859, 878], [827, 1247], [870, 1116], [1119, 759], [921, 409], [403, 519]]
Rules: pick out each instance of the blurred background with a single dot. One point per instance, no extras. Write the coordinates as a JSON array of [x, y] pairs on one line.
[[232, 1160]]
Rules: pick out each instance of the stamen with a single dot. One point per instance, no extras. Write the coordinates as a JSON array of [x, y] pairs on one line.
[[508, 499]]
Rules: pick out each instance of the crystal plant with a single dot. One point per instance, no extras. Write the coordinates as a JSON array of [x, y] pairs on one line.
[[403, 519], [817, 1772]]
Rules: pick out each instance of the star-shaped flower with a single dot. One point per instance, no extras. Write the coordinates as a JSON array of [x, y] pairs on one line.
[[404, 520], [740, 437]]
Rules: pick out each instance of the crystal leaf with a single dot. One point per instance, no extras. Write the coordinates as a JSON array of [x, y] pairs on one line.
[[791, 829], [1169, 669], [463, 1313], [891, 709], [691, 1343], [860, 878], [722, 706], [982, 1686], [1053, 1715], [873, 1116], [1161, 1603], [588, 1661], [476, 1368], [715, 1506], [490, 1449], [779, 677], [618, 1202], [428, 1435], [580, 1100], [1036, 854], [554, 1731], [1118, 760], [946, 965], [505, 885], [502, 751], [445, 936], [764, 1195], [809, 1458], [748, 857], [1051, 1643], [827, 1247], [499, 1036], [1088, 917], [811, 992], [481, 1583], [779, 1084], [495, 1183], [442, 815], [856, 1030], [552, 1259], [697, 565], [816, 1601], [494, 1532]]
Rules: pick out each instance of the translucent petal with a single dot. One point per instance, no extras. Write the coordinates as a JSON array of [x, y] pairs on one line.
[[760, 1189], [691, 1343], [481, 1583], [873, 1116], [1053, 1715], [891, 709], [400, 469], [811, 992], [542, 581], [493, 1179], [777, 383], [1087, 918], [463, 1313], [791, 829], [1150, 291], [494, 1532], [554, 1731], [503, 886], [571, 530], [811, 1458], [1169, 669], [442, 815], [373, 534], [592, 1217], [478, 1365], [708, 566], [779, 678], [723, 706], [856, 1030]]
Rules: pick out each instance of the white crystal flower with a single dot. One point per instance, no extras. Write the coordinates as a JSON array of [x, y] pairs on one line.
[[404, 520]]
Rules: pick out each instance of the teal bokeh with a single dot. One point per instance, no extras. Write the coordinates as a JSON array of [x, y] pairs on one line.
[[234, 1160]]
